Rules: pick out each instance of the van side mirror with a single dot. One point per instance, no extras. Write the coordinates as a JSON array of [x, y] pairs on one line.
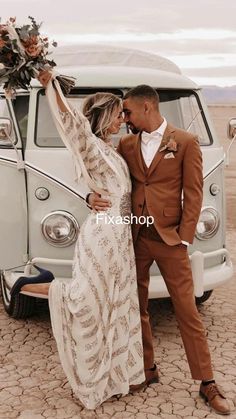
[[5, 131], [231, 129]]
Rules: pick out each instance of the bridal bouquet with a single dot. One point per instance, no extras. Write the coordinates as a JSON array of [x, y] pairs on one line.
[[23, 54]]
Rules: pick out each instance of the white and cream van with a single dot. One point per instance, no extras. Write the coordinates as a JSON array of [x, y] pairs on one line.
[[41, 205]]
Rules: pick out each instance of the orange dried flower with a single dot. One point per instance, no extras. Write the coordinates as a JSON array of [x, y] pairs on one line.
[[171, 145], [31, 40], [2, 43], [33, 50]]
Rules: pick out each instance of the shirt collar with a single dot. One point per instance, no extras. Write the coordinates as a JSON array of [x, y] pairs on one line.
[[158, 133]]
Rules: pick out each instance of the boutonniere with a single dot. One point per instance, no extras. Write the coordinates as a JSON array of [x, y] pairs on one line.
[[171, 145]]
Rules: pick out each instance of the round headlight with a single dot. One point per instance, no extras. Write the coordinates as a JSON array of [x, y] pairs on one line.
[[60, 228], [208, 223]]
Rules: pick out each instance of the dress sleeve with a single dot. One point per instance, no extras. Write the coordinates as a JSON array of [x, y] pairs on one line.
[[81, 139], [76, 133]]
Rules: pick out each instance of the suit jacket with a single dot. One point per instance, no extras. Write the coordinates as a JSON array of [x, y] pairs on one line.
[[162, 184]]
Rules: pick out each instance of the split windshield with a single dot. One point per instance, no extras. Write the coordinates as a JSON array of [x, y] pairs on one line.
[[180, 107]]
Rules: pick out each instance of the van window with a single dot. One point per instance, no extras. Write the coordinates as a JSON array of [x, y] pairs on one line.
[[46, 134], [183, 110], [21, 109], [5, 113]]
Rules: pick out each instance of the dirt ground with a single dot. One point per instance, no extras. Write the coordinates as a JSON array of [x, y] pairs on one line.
[[32, 383]]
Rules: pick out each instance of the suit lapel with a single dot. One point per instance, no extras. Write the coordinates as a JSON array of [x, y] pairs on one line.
[[168, 133], [137, 152]]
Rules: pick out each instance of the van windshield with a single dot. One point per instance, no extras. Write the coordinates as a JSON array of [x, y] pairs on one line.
[[181, 108], [46, 134]]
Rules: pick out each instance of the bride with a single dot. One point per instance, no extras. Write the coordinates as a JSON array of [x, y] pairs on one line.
[[95, 316]]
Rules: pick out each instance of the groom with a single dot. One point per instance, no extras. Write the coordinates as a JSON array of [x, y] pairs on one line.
[[164, 161]]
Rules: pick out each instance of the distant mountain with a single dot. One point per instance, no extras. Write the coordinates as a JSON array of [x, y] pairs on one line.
[[219, 95]]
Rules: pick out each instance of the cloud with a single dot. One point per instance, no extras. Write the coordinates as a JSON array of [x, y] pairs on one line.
[[204, 60], [199, 35], [135, 16], [177, 45], [223, 71], [214, 81]]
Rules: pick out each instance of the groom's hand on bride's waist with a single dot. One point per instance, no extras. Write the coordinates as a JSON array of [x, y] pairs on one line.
[[97, 203]]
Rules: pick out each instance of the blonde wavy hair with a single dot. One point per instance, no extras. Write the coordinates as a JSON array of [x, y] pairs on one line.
[[100, 109]]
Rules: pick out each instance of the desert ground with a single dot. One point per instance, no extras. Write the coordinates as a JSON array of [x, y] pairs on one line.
[[32, 383]]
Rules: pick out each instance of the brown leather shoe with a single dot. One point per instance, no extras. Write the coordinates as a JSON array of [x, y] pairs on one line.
[[152, 377], [214, 398]]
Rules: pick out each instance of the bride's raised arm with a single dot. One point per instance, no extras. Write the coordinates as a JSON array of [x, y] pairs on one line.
[[75, 131]]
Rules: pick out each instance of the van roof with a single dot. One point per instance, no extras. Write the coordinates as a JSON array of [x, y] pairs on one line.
[[94, 54], [96, 65], [104, 66], [120, 77]]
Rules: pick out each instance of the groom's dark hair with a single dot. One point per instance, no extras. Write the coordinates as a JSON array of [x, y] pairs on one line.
[[143, 91]]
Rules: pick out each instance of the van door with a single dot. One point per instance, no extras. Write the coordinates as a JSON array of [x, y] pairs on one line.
[[13, 202]]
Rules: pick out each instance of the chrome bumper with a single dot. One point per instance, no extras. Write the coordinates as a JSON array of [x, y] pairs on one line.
[[204, 279]]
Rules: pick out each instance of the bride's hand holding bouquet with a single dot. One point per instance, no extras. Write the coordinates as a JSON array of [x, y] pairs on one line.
[[44, 77], [24, 55]]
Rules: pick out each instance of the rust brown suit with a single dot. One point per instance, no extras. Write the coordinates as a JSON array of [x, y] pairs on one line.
[[157, 192]]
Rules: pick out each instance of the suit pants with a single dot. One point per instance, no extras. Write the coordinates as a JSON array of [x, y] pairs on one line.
[[174, 265]]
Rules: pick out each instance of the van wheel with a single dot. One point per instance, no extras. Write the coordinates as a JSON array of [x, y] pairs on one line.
[[18, 307], [204, 297]]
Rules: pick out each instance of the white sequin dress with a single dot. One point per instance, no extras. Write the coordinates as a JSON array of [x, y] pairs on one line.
[[95, 317]]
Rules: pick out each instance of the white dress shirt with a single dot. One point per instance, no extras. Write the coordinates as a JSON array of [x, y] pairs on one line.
[[150, 142]]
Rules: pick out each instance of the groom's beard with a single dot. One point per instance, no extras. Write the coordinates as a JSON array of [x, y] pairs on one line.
[[133, 129]]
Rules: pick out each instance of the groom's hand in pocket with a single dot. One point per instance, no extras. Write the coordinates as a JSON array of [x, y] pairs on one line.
[[97, 203]]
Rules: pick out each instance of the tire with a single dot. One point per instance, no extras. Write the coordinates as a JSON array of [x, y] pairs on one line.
[[18, 307], [204, 297]]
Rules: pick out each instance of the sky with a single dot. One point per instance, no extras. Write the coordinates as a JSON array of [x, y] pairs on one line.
[[198, 35]]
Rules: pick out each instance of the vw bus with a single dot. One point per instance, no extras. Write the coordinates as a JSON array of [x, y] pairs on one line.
[[42, 207]]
